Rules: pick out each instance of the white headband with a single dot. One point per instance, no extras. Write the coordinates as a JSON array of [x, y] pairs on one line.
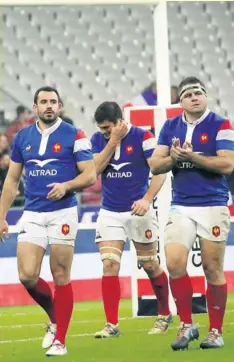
[[192, 87]]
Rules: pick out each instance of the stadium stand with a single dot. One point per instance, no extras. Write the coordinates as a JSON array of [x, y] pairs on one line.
[[98, 53]]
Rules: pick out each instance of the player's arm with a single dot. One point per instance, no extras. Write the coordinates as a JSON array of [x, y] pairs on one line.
[[161, 162], [140, 207], [155, 186], [86, 178], [223, 163], [10, 188], [87, 173], [103, 157]]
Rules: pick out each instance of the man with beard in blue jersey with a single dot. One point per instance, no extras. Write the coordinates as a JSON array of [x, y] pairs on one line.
[[121, 155], [52, 152], [198, 146]]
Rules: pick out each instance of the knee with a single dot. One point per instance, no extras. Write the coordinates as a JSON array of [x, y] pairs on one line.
[[110, 267], [60, 276], [28, 278], [214, 274], [150, 267], [176, 266]]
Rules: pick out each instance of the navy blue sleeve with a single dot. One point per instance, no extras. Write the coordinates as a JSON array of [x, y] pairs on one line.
[[163, 138]]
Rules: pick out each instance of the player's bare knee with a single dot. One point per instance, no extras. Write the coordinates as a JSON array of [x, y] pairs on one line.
[[214, 273], [149, 263], [28, 278], [110, 267], [111, 258], [176, 266], [150, 267], [61, 276]]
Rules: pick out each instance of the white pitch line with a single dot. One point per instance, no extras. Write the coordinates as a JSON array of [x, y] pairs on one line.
[[75, 309], [18, 326], [89, 334], [34, 325]]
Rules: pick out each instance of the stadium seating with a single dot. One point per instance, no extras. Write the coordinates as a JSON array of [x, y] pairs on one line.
[[95, 53]]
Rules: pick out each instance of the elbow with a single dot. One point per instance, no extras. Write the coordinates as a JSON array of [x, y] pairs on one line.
[[92, 179], [155, 171], [228, 170]]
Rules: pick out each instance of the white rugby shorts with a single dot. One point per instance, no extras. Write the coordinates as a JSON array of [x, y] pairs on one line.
[[123, 226], [47, 228], [185, 223]]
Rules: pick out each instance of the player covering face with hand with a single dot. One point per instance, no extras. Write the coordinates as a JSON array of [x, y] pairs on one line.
[[51, 151], [121, 154], [198, 146]]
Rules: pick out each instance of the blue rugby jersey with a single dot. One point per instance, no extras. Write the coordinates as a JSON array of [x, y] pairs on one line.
[[193, 186], [49, 156], [125, 179]]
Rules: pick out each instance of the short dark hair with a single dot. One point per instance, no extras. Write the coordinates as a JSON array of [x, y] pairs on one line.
[[20, 109], [190, 80], [108, 111], [45, 89]]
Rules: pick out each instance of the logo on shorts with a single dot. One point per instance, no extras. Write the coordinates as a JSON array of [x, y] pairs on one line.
[[65, 229], [129, 149], [98, 236], [148, 234], [216, 231], [57, 147], [28, 148], [204, 138]]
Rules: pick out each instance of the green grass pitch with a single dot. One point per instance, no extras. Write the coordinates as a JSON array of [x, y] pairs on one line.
[[21, 331]]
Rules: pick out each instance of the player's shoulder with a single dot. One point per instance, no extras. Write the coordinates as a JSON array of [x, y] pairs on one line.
[[172, 123], [174, 120], [140, 132], [68, 128], [97, 136], [219, 120], [25, 132], [71, 130]]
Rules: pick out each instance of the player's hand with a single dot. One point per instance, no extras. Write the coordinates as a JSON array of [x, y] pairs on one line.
[[179, 153], [174, 151], [119, 131], [188, 148], [176, 142], [3, 229], [140, 207], [57, 192]]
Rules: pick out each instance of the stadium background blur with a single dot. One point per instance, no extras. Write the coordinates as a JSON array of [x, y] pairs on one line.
[[92, 54], [96, 53]]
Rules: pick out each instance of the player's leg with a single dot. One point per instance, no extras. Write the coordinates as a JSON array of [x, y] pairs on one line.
[[111, 252], [32, 242], [180, 234], [60, 262], [212, 253], [143, 230], [29, 258], [110, 237], [62, 229]]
